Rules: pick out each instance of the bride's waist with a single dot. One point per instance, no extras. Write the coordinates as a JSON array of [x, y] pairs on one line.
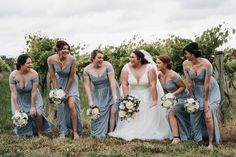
[[139, 88]]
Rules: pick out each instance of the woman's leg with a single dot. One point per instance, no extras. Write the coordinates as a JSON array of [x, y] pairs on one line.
[[209, 125], [183, 121], [112, 122], [174, 127], [39, 122], [73, 114]]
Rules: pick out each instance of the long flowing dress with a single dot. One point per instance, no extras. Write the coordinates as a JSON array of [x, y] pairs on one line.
[[149, 123], [24, 104], [199, 129], [102, 97], [63, 112], [183, 117]]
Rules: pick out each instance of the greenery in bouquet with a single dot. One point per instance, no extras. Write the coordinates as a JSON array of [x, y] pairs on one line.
[[20, 119], [191, 105], [57, 96], [128, 107], [93, 111], [168, 101]]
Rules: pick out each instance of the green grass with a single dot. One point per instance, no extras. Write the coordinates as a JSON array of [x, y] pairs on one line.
[[50, 145], [5, 103], [86, 146]]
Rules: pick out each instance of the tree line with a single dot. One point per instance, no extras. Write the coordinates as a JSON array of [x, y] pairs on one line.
[[39, 47]]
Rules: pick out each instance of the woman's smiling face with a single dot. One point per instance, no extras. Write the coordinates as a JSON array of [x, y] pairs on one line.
[[134, 60]]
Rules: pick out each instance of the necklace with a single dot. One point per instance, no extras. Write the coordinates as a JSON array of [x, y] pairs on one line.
[[61, 61]]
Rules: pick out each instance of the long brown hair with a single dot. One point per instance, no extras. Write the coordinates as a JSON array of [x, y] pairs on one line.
[[166, 60]]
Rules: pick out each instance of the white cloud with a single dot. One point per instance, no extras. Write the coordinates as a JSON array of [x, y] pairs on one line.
[[108, 22]]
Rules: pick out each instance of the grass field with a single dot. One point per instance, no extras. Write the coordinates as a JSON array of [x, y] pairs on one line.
[[50, 145]]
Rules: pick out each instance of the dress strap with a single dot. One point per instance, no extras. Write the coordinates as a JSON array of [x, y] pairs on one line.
[[50, 65], [85, 74], [12, 81], [209, 71], [109, 68], [176, 78], [126, 67], [35, 80], [186, 72]]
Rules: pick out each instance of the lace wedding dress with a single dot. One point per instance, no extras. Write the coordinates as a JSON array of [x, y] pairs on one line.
[[149, 123]]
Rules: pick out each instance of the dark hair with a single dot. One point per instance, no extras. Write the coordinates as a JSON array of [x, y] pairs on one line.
[[60, 44], [21, 60], [94, 54], [140, 55], [193, 49], [166, 60]]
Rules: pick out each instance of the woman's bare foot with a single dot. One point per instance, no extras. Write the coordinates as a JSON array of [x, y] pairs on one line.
[[210, 147], [176, 141], [76, 136], [62, 136]]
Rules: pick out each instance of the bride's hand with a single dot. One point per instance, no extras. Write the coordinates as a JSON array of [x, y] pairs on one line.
[[154, 103]]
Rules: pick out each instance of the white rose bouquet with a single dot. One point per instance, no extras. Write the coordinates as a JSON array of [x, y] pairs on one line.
[[191, 105], [128, 107], [168, 101], [57, 96], [93, 111], [20, 119]]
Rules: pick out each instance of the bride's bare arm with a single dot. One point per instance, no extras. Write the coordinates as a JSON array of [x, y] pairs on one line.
[[124, 82], [153, 81]]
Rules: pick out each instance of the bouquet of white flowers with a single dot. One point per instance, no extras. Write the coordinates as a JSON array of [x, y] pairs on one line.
[[93, 111], [20, 119], [191, 105], [168, 101], [57, 96], [128, 107]]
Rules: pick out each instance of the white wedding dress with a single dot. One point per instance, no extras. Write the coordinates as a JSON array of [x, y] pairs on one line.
[[149, 123]]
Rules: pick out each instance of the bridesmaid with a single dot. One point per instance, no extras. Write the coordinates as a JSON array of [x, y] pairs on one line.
[[25, 97], [102, 90], [172, 83], [205, 89], [62, 75]]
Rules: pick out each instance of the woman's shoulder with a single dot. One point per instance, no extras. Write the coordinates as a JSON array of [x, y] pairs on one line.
[[150, 66], [51, 59], [174, 75], [88, 67], [126, 67], [72, 58], [34, 73], [13, 74], [206, 63], [106, 63], [186, 63]]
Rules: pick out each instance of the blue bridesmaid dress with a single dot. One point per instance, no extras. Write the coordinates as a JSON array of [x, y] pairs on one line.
[[63, 112], [102, 97], [199, 129], [183, 117], [24, 102]]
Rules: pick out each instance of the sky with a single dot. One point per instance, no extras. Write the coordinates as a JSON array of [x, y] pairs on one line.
[[109, 22]]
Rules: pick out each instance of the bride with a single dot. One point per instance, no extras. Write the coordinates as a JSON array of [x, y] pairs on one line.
[[139, 79]]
